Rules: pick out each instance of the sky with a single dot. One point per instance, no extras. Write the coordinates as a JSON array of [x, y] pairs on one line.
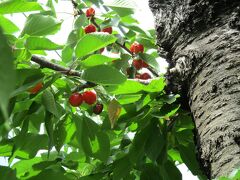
[[64, 10]]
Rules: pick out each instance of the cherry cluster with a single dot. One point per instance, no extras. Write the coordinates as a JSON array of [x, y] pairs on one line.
[[135, 48], [90, 13], [89, 97]]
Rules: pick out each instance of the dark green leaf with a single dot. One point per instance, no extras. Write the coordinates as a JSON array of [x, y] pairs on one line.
[[122, 168], [49, 103], [169, 171], [189, 158], [7, 173], [7, 74], [59, 135], [103, 150]]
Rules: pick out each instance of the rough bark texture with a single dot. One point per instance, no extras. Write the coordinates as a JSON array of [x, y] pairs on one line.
[[201, 41]]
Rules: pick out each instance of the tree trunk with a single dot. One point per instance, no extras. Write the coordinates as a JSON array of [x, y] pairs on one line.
[[201, 41]]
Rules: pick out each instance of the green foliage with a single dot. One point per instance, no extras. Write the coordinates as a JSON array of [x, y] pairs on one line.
[[92, 42], [141, 133]]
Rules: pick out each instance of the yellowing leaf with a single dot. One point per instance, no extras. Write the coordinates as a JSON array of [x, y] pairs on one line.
[[114, 110]]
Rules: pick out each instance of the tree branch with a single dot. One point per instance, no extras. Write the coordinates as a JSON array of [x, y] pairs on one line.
[[46, 64]]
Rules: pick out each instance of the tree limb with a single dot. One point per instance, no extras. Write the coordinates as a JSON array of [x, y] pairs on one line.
[[46, 64]]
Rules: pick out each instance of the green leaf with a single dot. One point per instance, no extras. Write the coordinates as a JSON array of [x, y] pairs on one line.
[[80, 21], [131, 86], [150, 172], [80, 135], [97, 59], [22, 55], [7, 25], [103, 151], [27, 78], [40, 25], [103, 74], [59, 135], [128, 99], [189, 158], [30, 144], [41, 43], [169, 171], [49, 128], [49, 174], [122, 168], [151, 60], [114, 110], [155, 143], [67, 54], [128, 87], [16, 6], [24, 167], [49, 102], [156, 85], [92, 42], [122, 7], [7, 173], [7, 74]]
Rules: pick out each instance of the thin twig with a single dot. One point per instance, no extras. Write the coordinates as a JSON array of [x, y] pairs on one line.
[[84, 86], [124, 47], [153, 72]]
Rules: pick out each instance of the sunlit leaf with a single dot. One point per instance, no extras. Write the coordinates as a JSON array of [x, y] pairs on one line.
[[114, 110], [16, 6]]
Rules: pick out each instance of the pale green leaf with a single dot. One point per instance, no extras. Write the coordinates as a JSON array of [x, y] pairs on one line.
[[41, 43], [40, 25], [92, 42], [103, 74], [7, 25], [97, 59], [17, 6]]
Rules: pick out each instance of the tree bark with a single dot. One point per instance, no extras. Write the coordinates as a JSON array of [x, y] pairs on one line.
[[200, 39]]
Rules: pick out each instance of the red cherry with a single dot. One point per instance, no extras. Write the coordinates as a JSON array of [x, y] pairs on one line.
[[76, 99], [136, 48], [89, 97], [139, 64], [97, 109], [144, 64], [107, 30], [90, 28], [36, 88], [145, 76], [90, 12]]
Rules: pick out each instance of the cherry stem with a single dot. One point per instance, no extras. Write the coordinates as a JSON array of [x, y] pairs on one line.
[[92, 19], [124, 47]]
